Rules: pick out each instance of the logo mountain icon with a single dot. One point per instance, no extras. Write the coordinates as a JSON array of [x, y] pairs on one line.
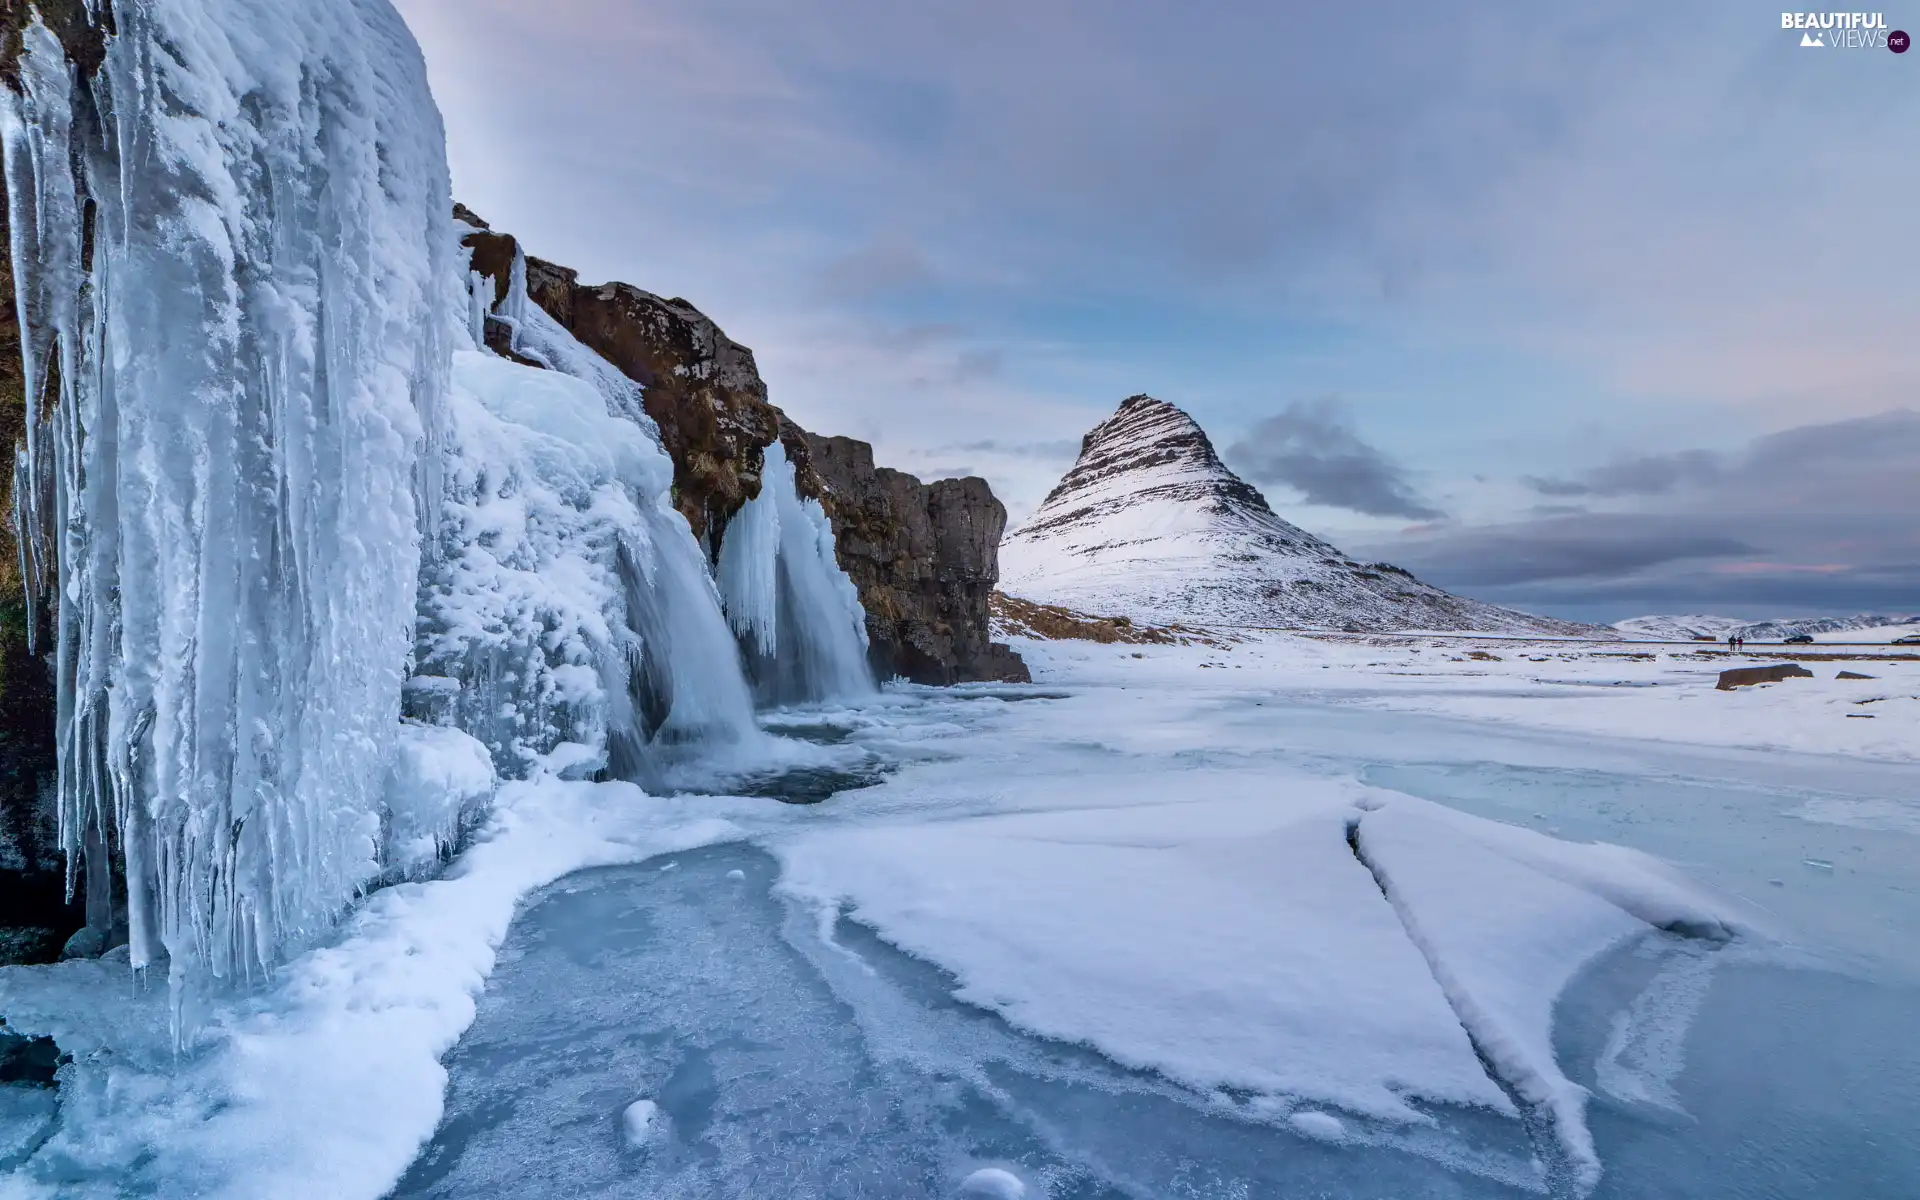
[[1812, 39]]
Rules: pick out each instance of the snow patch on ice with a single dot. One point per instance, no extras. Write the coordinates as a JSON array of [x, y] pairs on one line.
[[438, 787], [1230, 941], [1505, 918], [992, 1183], [1646, 1050], [1324, 1126], [641, 1123]]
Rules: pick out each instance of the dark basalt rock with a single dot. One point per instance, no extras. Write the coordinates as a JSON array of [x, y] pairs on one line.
[[924, 556]]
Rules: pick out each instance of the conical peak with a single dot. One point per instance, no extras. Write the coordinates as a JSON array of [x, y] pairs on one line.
[[1151, 441]]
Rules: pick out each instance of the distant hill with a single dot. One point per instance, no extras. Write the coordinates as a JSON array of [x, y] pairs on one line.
[[1685, 628], [1151, 525]]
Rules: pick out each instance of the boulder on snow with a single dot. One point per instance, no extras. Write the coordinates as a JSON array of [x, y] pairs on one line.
[[1748, 676], [1854, 675]]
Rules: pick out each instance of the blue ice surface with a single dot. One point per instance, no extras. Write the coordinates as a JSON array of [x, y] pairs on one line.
[[786, 1066]]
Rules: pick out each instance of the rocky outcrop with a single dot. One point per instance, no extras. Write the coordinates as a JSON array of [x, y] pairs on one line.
[[924, 556], [1749, 676]]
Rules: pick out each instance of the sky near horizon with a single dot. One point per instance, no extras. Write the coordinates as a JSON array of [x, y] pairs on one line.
[[1594, 310]]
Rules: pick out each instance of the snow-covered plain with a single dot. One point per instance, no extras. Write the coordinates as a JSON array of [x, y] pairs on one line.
[[1302, 932]]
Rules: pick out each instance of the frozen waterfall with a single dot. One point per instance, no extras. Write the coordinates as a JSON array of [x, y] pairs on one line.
[[228, 245], [797, 614], [323, 566], [667, 680]]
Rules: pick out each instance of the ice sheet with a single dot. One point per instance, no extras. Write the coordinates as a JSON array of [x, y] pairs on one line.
[[1223, 940], [1503, 940]]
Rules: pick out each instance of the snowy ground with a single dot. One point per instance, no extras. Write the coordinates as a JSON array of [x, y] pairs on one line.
[[1265, 918], [1658, 692]]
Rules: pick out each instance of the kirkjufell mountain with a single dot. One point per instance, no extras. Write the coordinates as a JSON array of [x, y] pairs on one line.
[[1151, 525]]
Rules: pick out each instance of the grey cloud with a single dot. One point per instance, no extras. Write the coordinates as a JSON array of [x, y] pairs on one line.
[[1818, 517], [975, 365], [1585, 546], [1312, 448], [909, 338], [1644, 475], [877, 270], [1055, 450]]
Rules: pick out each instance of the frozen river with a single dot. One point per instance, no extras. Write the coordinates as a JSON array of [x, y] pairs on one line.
[[776, 1047]]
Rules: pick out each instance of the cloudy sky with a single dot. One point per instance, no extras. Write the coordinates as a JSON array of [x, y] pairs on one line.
[[1598, 311]]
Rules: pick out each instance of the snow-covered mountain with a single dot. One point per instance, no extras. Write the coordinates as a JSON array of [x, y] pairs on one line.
[[1151, 525], [1697, 625]]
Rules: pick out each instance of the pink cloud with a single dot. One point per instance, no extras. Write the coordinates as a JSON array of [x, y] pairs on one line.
[[1770, 568]]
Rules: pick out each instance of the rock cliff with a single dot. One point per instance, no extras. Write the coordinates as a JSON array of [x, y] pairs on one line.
[[924, 556]]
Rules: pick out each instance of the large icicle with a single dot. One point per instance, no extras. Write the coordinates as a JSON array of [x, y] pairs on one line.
[[246, 366], [797, 614]]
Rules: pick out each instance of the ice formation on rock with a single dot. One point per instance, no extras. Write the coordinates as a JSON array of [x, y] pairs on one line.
[[565, 555], [281, 494], [236, 343], [797, 614], [566, 619]]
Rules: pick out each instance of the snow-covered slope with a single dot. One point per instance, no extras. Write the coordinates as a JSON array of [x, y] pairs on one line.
[[1151, 525], [1684, 628]]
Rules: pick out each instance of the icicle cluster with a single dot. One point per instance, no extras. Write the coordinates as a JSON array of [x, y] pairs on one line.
[[227, 395], [796, 612], [274, 483]]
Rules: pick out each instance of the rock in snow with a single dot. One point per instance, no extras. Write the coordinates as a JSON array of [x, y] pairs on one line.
[[1151, 525], [1748, 676]]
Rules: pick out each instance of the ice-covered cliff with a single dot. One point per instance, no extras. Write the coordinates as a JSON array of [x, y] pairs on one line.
[[1150, 524], [922, 556], [317, 564]]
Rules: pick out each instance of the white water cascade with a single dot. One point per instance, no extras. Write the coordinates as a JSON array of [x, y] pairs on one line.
[[281, 495], [797, 614]]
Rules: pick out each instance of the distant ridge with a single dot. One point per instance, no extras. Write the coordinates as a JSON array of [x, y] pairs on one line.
[[1699, 625], [1151, 525]]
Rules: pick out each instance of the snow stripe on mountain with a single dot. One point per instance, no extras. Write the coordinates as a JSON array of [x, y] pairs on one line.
[[1151, 525]]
